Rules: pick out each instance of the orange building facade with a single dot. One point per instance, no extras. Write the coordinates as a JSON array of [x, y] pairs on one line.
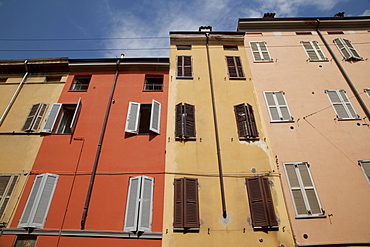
[[99, 174]]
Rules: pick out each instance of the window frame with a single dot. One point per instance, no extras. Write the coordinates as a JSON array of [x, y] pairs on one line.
[[346, 48], [185, 121], [136, 202], [234, 63], [41, 193], [315, 48], [278, 107], [133, 118], [367, 175], [260, 52], [34, 117], [80, 87], [245, 121], [181, 66], [302, 188], [154, 85], [8, 191], [344, 102]]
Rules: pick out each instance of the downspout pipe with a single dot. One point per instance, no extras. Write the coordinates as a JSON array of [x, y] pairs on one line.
[[224, 214], [11, 102], [346, 77], [98, 151]]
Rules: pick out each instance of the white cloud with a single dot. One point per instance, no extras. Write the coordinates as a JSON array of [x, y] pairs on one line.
[[366, 13]]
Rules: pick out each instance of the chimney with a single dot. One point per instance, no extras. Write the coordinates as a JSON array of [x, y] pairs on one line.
[[205, 29], [268, 15], [339, 14]]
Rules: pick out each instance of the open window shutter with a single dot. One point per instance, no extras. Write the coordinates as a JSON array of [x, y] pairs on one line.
[[189, 120], [146, 203], [76, 115], [191, 214], [346, 53], [155, 117], [178, 221], [341, 104], [256, 202], [347, 104], [231, 67], [39, 116], [51, 118], [285, 114], [252, 121], [31, 117], [179, 122], [297, 193], [318, 50], [38, 203], [352, 49], [310, 50], [132, 205], [241, 116], [132, 121], [268, 202], [310, 192]]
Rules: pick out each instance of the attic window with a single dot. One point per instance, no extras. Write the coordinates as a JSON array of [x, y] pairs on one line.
[[53, 78], [230, 47], [183, 47], [254, 34], [3, 80], [303, 33], [335, 32]]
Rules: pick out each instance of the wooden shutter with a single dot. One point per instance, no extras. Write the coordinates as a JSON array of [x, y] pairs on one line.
[[252, 121], [38, 203], [132, 121], [241, 116], [40, 115], [75, 116], [51, 118], [132, 205], [347, 49], [7, 184], [184, 66], [234, 67], [186, 211], [189, 120], [179, 121], [155, 117], [146, 204], [31, 117]]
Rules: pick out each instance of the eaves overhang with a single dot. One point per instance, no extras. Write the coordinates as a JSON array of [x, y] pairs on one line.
[[309, 23], [183, 37], [34, 65]]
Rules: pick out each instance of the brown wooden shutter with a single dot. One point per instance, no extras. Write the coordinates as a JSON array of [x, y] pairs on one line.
[[241, 120], [179, 115], [231, 67], [239, 67], [180, 66], [187, 67], [189, 120], [251, 122], [260, 202], [178, 221], [191, 215]]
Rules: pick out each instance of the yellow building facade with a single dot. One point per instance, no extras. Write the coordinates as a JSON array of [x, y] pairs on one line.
[[218, 160], [28, 87]]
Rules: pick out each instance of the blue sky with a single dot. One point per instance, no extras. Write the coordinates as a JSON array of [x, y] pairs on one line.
[[107, 28]]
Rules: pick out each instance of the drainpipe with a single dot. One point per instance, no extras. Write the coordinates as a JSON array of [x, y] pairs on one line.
[[224, 214], [11, 102], [98, 151], [348, 80]]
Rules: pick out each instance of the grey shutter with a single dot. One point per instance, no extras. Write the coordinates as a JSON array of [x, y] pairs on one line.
[[7, 184], [51, 118], [365, 166], [75, 116], [313, 51], [155, 117], [277, 106], [132, 205], [346, 49], [296, 190], [341, 105], [260, 51], [132, 121], [38, 203], [40, 115], [146, 204]]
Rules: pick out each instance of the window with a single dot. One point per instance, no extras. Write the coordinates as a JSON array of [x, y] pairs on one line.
[[260, 51], [25, 241], [230, 47], [64, 117], [278, 108], [302, 189], [53, 78], [313, 51], [7, 184], [3, 79], [153, 83], [260, 202], [235, 68], [183, 47], [184, 67], [143, 119], [303, 33], [245, 121], [185, 121], [186, 212], [346, 48], [341, 105], [81, 83], [365, 166], [138, 217], [38, 203], [367, 91], [34, 117], [335, 32]]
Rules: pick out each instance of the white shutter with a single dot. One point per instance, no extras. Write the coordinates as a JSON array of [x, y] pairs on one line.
[[347, 49], [155, 117], [51, 118], [39, 116], [75, 116], [132, 121], [146, 204], [132, 205], [313, 51], [38, 203], [365, 166], [260, 51], [278, 108], [341, 105]]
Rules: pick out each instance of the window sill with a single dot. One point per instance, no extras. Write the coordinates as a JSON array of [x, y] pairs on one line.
[[237, 78], [185, 139], [347, 119], [311, 217], [183, 230], [153, 90], [266, 228], [282, 121], [325, 60], [267, 61], [249, 138], [184, 77], [77, 90]]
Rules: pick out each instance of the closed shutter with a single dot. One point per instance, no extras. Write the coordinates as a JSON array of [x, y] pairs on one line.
[[278, 108], [260, 51], [51, 118], [155, 117], [75, 116], [341, 104], [184, 66], [132, 121], [38, 203], [178, 221], [146, 204], [313, 51], [189, 120], [234, 67], [132, 205], [260, 202], [179, 121], [7, 184], [346, 48]]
